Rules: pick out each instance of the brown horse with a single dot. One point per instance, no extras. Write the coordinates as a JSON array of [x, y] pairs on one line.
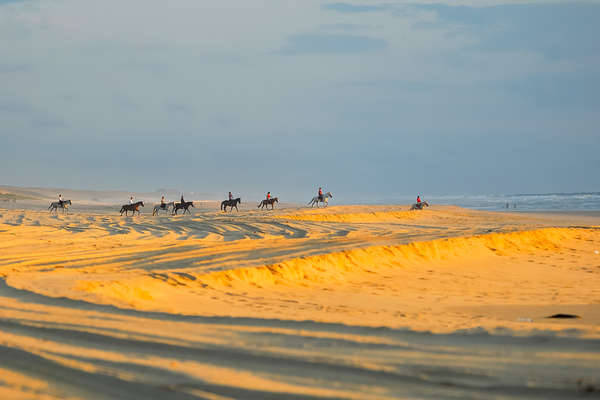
[[266, 202], [185, 205], [132, 207], [231, 203]]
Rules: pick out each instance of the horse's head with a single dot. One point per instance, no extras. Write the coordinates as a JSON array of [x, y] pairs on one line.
[[239, 200], [276, 200], [68, 202], [329, 195], [141, 203]]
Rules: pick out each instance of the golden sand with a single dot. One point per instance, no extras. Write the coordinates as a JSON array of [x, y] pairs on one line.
[[340, 270]]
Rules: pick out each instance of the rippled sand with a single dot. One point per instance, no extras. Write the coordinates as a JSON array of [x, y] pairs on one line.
[[348, 302]]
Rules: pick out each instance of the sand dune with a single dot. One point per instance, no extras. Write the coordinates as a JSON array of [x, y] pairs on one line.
[[347, 302]]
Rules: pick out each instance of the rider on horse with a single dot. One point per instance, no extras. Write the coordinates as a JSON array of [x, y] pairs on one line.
[[321, 194], [230, 196], [60, 201], [182, 201], [163, 204], [131, 200], [418, 199], [268, 195]]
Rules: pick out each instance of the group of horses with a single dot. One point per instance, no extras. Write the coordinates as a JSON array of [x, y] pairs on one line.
[[126, 208], [174, 207]]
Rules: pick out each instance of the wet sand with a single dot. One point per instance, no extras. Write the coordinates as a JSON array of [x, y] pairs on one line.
[[349, 302]]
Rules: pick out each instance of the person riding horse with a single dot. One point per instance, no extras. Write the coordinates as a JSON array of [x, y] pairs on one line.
[[163, 204], [268, 196], [61, 201], [420, 204], [131, 200], [320, 194], [182, 200], [231, 202]]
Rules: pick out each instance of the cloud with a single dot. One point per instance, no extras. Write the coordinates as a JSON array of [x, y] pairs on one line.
[[14, 68], [554, 30], [355, 8], [350, 27], [3, 2], [331, 44]]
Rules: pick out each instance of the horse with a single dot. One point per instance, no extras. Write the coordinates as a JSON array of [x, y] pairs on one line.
[[316, 200], [132, 207], [266, 202], [159, 207], [55, 205], [231, 203], [419, 206], [185, 205]]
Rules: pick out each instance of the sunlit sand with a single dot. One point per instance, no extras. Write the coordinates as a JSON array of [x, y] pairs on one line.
[[345, 302]]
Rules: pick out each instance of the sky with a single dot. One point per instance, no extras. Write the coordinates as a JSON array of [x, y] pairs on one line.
[[368, 99]]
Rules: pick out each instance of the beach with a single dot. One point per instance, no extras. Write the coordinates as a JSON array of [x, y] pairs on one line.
[[361, 302]]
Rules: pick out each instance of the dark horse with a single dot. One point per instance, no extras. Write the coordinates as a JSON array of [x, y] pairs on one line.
[[54, 206], [266, 202], [132, 207], [185, 205], [231, 203], [419, 206]]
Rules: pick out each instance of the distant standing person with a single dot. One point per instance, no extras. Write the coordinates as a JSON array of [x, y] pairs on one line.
[[230, 196]]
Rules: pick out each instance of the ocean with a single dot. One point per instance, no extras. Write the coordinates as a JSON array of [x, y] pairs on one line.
[[524, 202], [584, 201]]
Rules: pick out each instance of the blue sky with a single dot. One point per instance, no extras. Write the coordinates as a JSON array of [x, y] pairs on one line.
[[365, 98]]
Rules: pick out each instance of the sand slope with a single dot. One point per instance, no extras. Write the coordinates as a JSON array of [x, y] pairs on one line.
[[348, 302]]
